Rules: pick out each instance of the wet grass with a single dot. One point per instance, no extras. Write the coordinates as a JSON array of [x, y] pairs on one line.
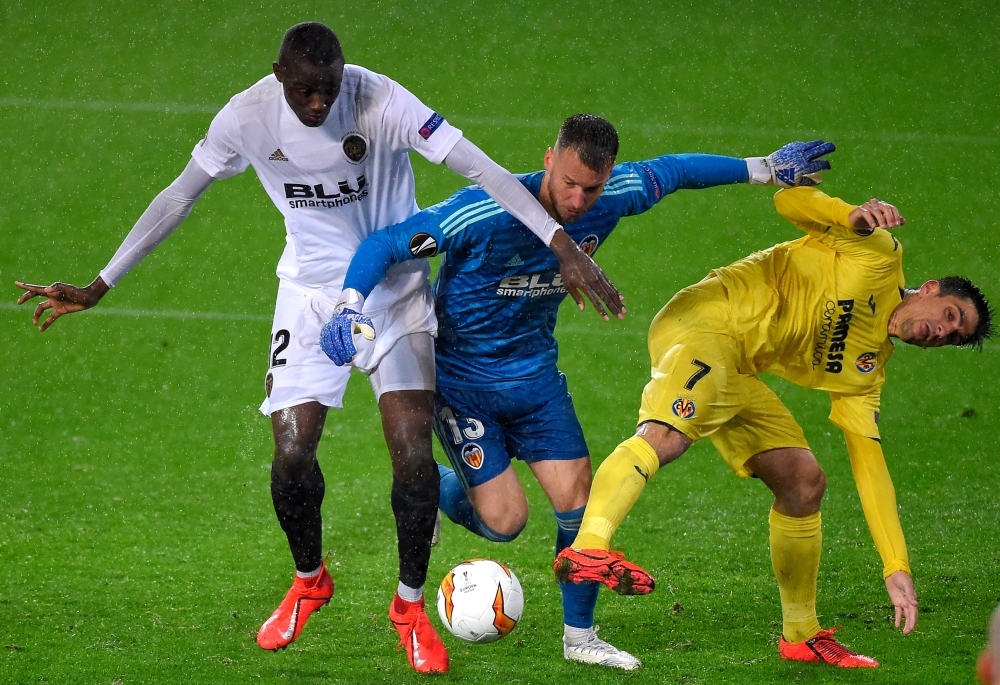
[[137, 539]]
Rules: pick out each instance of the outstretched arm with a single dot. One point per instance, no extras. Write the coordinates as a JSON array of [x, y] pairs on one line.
[[164, 214], [650, 181], [580, 274], [878, 499]]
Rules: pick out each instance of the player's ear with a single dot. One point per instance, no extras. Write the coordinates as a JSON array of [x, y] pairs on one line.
[[930, 288], [279, 71], [547, 160]]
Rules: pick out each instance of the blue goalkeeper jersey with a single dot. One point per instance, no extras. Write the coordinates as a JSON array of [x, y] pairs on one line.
[[498, 289]]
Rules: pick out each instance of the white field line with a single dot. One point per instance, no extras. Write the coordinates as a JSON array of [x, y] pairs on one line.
[[553, 124], [611, 328], [573, 329], [109, 106], [28, 308]]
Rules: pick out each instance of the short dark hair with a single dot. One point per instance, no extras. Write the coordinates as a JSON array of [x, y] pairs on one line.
[[594, 139], [310, 41], [961, 287]]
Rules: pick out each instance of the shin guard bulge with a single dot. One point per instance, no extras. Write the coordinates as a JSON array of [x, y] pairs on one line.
[[298, 506], [415, 508], [796, 544], [617, 486]]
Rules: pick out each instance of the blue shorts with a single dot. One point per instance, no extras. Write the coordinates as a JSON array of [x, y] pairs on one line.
[[481, 430]]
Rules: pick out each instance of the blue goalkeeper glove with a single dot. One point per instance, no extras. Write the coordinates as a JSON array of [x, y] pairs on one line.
[[337, 336], [792, 165]]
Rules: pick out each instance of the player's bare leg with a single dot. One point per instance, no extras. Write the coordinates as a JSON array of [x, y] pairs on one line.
[[297, 489], [501, 506], [406, 422], [617, 486], [798, 484]]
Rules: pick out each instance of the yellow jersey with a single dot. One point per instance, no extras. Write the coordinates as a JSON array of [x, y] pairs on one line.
[[815, 311]]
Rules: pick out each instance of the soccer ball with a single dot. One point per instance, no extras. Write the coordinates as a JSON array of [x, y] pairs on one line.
[[480, 600]]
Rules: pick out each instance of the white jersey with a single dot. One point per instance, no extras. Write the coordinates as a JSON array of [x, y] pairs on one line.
[[337, 183]]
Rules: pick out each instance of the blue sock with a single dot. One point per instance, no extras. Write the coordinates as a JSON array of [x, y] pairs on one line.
[[578, 599], [456, 505]]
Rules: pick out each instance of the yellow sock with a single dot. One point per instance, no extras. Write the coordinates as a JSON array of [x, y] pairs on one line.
[[796, 544], [617, 486]]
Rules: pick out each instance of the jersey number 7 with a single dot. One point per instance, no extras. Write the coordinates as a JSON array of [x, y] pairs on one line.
[[702, 371]]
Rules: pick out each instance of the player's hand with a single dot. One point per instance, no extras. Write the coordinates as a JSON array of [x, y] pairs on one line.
[[582, 276], [337, 336], [904, 598], [61, 298], [795, 163], [876, 214]]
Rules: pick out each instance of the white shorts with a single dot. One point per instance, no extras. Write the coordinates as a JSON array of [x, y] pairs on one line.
[[400, 358]]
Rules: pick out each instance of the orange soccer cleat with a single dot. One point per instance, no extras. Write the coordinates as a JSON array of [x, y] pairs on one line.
[[608, 568], [286, 623], [824, 648], [424, 649]]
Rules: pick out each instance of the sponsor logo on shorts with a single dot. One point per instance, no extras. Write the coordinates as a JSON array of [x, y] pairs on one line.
[[423, 245], [877, 416], [268, 383], [532, 285], [355, 147], [866, 362], [472, 454], [589, 244], [683, 408], [431, 125]]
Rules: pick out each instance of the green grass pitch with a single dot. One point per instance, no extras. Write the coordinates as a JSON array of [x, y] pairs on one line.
[[137, 539]]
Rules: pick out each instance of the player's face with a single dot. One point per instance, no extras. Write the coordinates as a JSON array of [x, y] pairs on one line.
[[929, 319], [571, 187], [310, 90]]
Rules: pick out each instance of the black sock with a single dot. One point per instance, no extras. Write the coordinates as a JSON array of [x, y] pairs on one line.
[[415, 508], [297, 505]]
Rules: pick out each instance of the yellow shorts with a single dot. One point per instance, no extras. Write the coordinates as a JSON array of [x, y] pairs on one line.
[[696, 386]]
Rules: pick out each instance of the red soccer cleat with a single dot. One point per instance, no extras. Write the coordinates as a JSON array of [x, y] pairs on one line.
[[825, 649], [286, 623], [424, 649], [608, 568]]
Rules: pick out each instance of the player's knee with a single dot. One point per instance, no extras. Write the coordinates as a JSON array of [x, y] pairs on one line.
[[416, 467], [504, 527], [293, 461], [811, 485], [666, 441], [412, 456], [506, 520]]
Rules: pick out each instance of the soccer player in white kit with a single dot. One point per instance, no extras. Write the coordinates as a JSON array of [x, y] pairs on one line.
[[329, 143]]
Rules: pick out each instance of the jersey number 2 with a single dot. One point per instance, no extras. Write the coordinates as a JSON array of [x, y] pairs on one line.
[[282, 337]]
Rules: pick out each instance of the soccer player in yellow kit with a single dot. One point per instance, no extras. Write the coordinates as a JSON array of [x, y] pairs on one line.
[[818, 311]]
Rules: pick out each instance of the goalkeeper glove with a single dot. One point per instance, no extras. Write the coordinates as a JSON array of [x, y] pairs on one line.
[[337, 336], [794, 164]]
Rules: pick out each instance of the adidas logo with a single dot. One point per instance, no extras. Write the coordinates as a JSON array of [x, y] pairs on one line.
[[277, 156], [515, 261]]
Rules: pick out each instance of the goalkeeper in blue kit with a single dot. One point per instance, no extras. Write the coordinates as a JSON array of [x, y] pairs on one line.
[[499, 393]]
